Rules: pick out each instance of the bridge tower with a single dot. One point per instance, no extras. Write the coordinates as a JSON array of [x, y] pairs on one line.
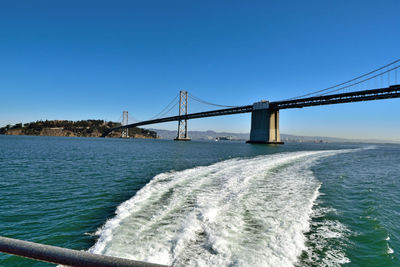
[[264, 124], [182, 124], [125, 133]]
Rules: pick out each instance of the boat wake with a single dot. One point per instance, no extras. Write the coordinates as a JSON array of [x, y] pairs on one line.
[[239, 212]]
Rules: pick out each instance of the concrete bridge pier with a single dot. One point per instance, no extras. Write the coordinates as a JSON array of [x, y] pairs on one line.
[[264, 124]]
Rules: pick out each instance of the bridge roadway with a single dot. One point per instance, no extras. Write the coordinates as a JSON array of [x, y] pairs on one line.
[[357, 96]]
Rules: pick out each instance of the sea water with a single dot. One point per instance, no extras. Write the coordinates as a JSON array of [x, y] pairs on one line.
[[203, 203]]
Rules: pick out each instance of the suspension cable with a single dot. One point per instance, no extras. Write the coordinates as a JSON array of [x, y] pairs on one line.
[[165, 108], [120, 118], [166, 112], [208, 103], [132, 119], [370, 78], [343, 83]]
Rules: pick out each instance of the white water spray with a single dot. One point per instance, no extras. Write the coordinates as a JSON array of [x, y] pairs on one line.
[[241, 212]]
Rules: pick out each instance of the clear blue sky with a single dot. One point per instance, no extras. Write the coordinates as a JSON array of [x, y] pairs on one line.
[[93, 59]]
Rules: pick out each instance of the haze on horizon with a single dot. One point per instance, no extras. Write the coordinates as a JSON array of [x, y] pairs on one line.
[[78, 60]]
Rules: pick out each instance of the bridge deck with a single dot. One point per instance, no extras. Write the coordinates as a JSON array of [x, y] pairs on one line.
[[366, 95]]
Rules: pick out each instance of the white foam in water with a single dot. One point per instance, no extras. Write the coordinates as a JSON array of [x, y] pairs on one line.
[[389, 249], [241, 212], [321, 251]]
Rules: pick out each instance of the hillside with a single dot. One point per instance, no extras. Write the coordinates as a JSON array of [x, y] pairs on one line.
[[287, 138], [83, 128]]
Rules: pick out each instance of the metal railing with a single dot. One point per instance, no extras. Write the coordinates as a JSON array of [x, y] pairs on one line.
[[64, 256]]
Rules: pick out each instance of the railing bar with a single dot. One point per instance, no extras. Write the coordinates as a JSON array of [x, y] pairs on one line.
[[64, 256]]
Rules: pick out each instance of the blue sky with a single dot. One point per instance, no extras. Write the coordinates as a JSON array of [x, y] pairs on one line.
[[93, 59]]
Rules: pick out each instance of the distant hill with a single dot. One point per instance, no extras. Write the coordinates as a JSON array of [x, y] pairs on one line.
[[211, 135], [95, 128], [200, 135], [83, 128]]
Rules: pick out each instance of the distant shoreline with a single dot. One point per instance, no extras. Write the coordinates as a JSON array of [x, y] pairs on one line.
[[287, 138], [64, 128]]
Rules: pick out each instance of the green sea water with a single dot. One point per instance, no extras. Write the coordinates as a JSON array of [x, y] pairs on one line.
[[203, 203]]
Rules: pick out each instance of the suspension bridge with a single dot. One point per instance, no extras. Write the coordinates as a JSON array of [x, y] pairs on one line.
[[265, 114], [264, 129]]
